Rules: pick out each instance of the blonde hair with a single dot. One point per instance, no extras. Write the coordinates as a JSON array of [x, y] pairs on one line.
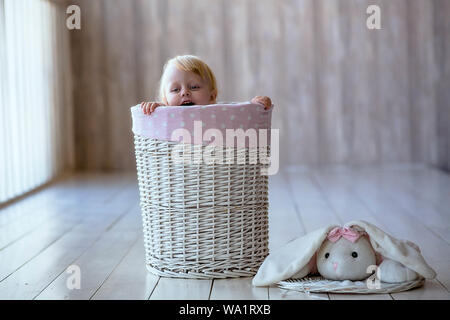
[[188, 63]]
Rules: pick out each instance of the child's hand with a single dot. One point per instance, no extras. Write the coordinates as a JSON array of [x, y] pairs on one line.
[[149, 107], [265, 101]]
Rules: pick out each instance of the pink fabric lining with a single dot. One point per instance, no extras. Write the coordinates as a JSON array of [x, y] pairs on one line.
[[348, 233], [164, 120]]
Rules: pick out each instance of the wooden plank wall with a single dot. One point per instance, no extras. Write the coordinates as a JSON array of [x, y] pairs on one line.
[[441, 24], [343, 93]]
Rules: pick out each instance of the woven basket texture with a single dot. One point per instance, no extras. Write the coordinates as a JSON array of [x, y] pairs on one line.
[[321, 285], [201, 220]]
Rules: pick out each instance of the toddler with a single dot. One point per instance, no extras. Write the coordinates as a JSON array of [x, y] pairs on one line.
[[186, 81]]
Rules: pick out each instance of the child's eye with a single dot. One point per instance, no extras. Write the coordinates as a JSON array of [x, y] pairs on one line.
[[195, 87], [174, 90]]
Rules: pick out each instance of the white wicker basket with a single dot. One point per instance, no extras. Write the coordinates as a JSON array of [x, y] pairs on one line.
[[319, 284], [201, 220]]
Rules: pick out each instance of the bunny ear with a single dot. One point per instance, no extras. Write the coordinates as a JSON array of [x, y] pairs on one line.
[[286, 261], [401, 251]]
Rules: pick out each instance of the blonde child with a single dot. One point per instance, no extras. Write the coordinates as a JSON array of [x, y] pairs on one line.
[[187, 80]]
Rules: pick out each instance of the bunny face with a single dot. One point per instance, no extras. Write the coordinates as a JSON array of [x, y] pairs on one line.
[[345, 260]]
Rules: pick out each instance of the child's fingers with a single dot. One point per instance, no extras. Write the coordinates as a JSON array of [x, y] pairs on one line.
[[154, 106], [147, 108], [143, 107], [266, 102], [263, 100]]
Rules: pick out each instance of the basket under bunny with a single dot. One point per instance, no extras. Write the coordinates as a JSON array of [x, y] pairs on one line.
[[320, 285], [201, 219]]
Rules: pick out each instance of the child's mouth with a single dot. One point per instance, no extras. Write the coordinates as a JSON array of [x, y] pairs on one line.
[[188, 103]]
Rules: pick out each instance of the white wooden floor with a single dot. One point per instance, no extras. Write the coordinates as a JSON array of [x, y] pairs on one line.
[[93, 221]]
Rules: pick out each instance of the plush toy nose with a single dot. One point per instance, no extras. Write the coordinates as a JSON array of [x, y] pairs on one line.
[[335, 265]]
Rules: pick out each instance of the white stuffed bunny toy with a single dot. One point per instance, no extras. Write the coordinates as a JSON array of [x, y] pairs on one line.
[[345, 253]]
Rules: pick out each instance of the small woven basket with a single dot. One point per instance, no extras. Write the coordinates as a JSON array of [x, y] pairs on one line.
[[321, 285], [201, 220]]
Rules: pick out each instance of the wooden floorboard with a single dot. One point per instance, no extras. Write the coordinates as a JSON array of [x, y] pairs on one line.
[[282, 209], [93, 221], [130, 280], [182, 289], [98, 262], [285, 224], [32, 278], [237, 289]]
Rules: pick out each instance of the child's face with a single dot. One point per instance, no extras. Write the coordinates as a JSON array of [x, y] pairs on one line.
[[187, 88]]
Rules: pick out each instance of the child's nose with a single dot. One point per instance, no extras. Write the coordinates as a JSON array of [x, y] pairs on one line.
[[185, 92]]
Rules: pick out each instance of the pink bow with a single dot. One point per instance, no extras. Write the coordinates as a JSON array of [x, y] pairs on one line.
[[349, 234]]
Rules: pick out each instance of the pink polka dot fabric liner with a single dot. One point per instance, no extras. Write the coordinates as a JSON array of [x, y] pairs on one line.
[[164, 120]]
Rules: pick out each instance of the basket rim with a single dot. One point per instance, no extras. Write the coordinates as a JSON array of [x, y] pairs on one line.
[[318, 284]]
